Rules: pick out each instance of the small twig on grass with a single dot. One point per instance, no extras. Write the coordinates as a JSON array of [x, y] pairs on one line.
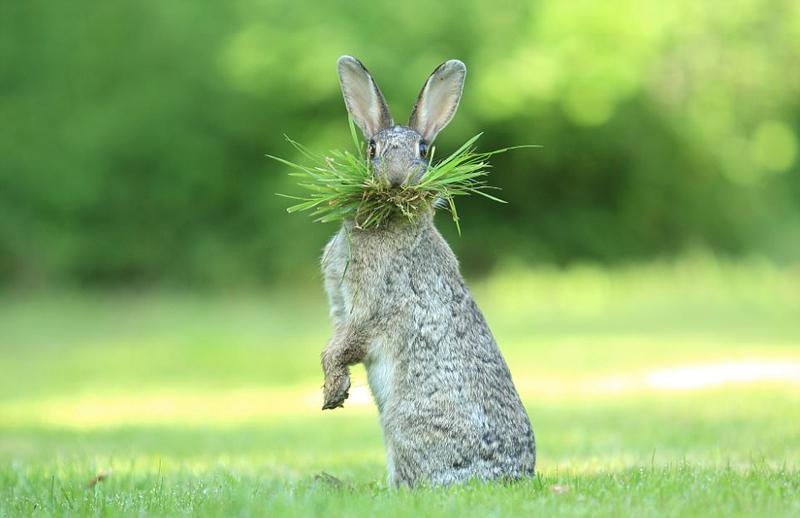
[[101, 476]]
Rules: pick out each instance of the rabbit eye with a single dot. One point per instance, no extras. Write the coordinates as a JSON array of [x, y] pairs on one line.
[[423, 149], [372, 148]]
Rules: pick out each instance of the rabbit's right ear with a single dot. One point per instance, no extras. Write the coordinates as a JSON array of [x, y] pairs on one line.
[[363, 98]]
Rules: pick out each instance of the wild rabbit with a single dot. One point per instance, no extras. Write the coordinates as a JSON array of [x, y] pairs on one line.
[[448, 406]]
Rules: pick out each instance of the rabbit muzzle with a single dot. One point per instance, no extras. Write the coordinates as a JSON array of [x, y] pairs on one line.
[[398, 163]]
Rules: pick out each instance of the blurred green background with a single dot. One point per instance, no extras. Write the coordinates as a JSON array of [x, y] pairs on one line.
[[133, 134], [161, 315]]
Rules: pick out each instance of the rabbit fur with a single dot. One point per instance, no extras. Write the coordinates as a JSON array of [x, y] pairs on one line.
[[448, 407]]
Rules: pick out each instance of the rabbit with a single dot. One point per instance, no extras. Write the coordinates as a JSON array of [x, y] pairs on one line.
[[448, 408]]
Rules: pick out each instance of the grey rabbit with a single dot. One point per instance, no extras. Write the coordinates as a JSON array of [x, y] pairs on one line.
[[448, 407]]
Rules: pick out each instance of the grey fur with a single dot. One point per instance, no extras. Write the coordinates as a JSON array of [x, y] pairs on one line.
[[448, 406], [362, 97], [438, 100]]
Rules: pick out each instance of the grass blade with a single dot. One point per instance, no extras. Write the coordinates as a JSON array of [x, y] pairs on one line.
[[340, 185]]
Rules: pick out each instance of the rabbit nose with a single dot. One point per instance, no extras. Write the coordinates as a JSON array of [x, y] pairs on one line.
[[396, 176]]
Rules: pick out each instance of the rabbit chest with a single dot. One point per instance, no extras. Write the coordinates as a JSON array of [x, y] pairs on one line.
[[367, 276]]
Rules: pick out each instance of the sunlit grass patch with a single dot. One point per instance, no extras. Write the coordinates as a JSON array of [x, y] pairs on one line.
[[171, 405], [657, 389]]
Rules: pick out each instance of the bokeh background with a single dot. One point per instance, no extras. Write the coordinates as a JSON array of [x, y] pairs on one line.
[[134, 134], [160, 309]]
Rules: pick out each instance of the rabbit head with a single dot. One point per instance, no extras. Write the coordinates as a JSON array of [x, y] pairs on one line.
[[399, 154]]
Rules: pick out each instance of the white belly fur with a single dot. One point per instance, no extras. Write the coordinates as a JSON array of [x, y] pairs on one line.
[[379, 374]]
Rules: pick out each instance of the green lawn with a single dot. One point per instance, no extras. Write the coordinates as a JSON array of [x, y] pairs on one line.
[[653, 390]]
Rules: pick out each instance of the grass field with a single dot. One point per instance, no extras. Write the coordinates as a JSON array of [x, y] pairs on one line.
[[668, 389]]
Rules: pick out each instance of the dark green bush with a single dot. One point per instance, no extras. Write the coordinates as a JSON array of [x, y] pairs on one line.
[[133, 133]]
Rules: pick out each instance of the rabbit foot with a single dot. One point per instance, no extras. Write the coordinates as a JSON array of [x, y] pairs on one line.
[[336, 391]]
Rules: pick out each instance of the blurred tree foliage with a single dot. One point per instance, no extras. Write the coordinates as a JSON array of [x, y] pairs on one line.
[[133, 133]]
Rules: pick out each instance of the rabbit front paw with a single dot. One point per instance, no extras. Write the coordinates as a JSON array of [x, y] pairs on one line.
[[336, 390]]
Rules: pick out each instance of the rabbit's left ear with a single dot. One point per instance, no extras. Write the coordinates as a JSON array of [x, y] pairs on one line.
[[438, 100]]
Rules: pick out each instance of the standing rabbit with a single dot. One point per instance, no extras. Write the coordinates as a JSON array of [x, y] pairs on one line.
[[448, 406]]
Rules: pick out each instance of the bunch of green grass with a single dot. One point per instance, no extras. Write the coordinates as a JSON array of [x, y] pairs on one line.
[[340, 185]]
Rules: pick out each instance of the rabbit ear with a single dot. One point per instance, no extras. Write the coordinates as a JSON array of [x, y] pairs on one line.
[[438, 100], [363, 98]]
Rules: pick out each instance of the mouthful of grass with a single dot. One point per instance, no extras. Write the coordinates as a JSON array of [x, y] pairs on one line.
[[340, 185]]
